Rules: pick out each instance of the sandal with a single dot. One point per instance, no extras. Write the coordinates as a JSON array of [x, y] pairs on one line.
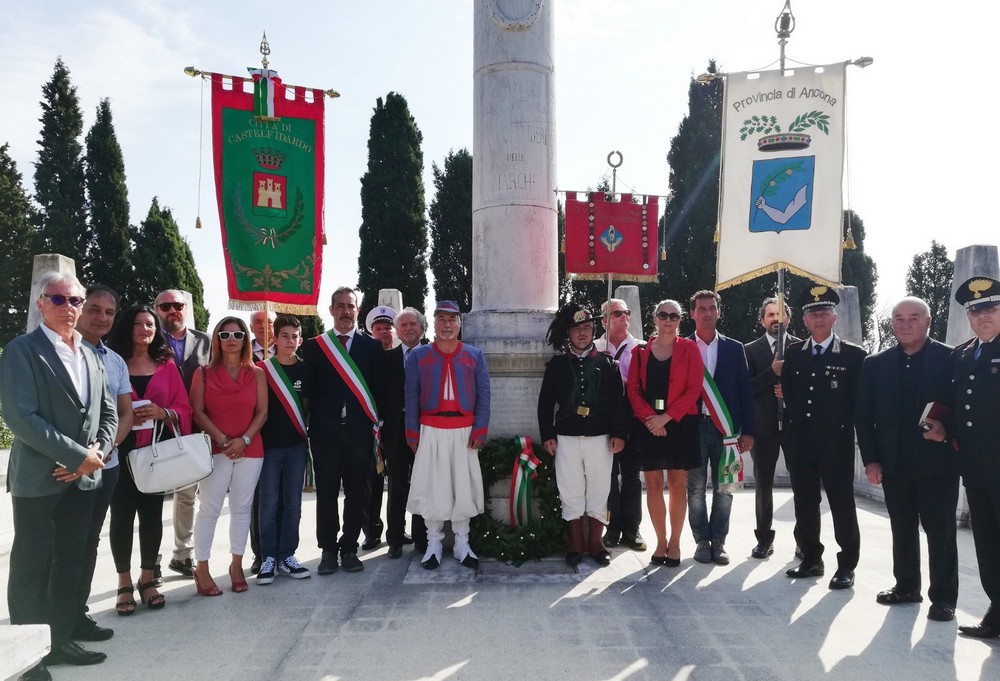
[[153, 602], [213, 590], [127, 607], [239, 583]]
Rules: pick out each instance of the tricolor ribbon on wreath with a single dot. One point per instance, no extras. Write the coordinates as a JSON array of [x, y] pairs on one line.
[[355, 381], [731, 462], [521, 496], [282, 386]]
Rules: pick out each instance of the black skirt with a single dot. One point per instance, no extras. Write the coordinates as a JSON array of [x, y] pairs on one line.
[[679, 450]]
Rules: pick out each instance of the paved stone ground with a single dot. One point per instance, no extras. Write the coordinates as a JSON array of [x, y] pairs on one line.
[[397, 622]]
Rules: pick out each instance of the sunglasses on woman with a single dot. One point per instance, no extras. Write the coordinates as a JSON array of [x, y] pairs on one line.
[[59, 299], [672, 316], [226, 335]]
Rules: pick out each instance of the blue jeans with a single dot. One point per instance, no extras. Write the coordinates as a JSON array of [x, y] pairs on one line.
[[717, 528], [284, 469]]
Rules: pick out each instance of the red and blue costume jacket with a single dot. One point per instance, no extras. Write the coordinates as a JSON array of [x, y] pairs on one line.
[[447, 390]]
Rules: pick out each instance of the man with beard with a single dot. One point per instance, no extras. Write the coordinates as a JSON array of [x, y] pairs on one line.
[[191, 350]]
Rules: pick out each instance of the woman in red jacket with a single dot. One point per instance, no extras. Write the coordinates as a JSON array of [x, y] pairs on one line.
[[664, 384]]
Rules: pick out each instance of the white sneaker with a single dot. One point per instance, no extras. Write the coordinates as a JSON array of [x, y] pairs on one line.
[[290, 566]]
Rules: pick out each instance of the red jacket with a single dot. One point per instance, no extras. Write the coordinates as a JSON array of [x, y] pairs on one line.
[[687, 374]]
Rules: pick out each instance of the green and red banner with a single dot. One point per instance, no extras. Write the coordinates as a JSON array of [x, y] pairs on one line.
[[268, 150]]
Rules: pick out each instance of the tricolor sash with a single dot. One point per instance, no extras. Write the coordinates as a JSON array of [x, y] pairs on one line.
[[355, 381], [731, 462], [282, 387], [521, 498]]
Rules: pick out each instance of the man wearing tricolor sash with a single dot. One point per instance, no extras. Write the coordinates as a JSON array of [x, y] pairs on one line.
[[347, 385], [285, 451], [727, 414], [583, 419], [447, 417]]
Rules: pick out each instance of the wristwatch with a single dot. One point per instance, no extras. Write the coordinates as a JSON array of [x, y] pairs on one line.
[[246, 440]]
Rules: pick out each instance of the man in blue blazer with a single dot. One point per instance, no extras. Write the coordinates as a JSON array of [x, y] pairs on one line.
[[56, 400], [340, 431], [919, 474], [726, 361]]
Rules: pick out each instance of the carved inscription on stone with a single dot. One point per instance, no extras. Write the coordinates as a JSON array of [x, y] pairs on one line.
[[513, 406]]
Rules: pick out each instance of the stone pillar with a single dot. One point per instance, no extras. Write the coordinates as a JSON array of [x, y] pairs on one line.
[[849, 316], [391, 297], [971, 261], [514, 232], [630, 294], [189, 311], [43, 264]]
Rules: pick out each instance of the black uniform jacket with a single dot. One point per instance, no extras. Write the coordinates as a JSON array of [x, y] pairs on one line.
[[977, 413], [582, 396]]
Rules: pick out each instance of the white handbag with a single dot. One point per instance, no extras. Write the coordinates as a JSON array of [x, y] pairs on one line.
[[171, 465]]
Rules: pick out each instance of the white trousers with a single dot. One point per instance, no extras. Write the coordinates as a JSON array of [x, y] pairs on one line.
[[446, 483], [583, 474], [239, 478]]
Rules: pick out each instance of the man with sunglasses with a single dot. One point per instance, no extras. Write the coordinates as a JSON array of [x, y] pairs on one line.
[[625, 499], [191, 350], [56, 401]]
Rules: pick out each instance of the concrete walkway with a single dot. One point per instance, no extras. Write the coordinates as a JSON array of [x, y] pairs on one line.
[[398, 622]]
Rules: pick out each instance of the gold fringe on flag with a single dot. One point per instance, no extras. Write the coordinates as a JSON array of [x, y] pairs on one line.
[[774, 267], [255, 306]]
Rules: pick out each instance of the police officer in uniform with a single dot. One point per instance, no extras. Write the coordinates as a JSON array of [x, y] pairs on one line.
[[977, 407], [819, 381]]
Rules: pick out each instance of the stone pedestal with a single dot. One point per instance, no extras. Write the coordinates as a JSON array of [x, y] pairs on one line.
[[849, 316], [43, 264], [630, 294], [514, 231], [391, 297]]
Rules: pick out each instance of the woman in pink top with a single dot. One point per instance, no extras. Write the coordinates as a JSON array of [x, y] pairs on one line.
[[229, 397]]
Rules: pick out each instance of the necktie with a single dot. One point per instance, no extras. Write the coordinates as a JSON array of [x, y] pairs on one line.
[[818, 349], [774, 347], [342, 337], [978, 352]]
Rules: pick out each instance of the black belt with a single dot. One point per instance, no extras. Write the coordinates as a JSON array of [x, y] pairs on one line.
[[447, 413]]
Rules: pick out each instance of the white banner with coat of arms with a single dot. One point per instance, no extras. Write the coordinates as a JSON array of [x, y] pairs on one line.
[[781, 198]]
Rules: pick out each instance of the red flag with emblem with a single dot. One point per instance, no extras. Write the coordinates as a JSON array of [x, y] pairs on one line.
[[611, 237]]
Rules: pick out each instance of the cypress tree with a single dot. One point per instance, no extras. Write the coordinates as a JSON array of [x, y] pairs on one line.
[[59, 174], [17, 236], [163, 260], [451, 229], [111, 252], [393, 229], [930, 278]]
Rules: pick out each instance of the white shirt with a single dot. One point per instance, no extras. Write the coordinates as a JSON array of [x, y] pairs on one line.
[[709, 352], [625, 359], [72, 359], [825, 345], [350, 337]]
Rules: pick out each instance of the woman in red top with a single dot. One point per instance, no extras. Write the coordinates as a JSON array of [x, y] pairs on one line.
[[664, 384], [229, 397]]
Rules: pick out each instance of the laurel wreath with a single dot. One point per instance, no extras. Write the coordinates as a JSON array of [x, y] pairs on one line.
[[269, 235], [807, 120], [542, 537]]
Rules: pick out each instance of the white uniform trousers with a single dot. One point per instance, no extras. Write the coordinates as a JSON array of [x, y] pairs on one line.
[[583, 474], [446, 483]]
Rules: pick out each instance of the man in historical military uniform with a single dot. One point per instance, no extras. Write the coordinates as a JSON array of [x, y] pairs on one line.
[[977, 419], [582, 414], [918, 470], [820, 382]]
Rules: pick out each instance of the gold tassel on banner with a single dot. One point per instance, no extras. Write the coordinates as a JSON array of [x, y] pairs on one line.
[[562, 244], [715, 238], [849, 244], [663, 253], [197, 222]]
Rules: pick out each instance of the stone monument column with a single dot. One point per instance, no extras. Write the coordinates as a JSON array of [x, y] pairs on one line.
[[43, 263], [514, 229]]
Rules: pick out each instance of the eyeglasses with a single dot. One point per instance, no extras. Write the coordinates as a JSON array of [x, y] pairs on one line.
[[621, 313], [59, 299], [672, 316], [166, 307], [226, 335]]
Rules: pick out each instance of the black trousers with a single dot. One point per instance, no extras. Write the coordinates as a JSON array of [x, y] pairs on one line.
[[341, 458], [765, 454], [373, 512], [836, 477], [625, 498], [46, 559], [984, 508], [102, 501], [127, 502], [913, 501], [400, 467]]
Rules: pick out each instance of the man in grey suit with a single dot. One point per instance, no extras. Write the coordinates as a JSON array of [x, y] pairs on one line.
[[56, 400], [191, 349]]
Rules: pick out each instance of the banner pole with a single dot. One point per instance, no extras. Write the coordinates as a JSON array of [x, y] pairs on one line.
[[614, 187], [267, 340]]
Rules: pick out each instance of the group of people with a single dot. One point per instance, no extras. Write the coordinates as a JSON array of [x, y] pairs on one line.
[[388, 405]]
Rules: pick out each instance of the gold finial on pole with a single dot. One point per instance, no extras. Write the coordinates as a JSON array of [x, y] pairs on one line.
[[784, 24], [265, 50]]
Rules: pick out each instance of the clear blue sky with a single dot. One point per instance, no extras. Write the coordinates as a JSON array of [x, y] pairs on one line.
[[921, 141]]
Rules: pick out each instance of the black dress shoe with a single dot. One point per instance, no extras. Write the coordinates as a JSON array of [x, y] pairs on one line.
[[255, 565], [633, 541], [407, 539], [806, 570], [762, 551], [72, 653], [371, 543], [351, 563], [395, 552], [842, 579], [328, 563], [431, 563], [470, 562], [895, 596], [980, 630], [666, 561], [87, 629], [602, 558], [183, 567], [573, 558], [37, 673], [941, 613]]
